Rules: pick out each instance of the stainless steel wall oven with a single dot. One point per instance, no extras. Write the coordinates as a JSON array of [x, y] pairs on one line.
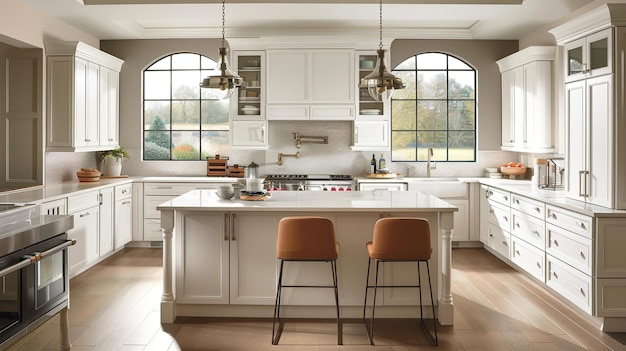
[[34, 276]]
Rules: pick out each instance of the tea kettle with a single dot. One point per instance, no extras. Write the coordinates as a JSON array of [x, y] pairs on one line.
[[251, 171]]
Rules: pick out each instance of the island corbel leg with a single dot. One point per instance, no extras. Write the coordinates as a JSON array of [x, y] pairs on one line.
[[167, 299], [446, 306]]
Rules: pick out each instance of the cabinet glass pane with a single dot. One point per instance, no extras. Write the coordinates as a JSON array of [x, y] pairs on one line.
[[574, 61], [598, 51]]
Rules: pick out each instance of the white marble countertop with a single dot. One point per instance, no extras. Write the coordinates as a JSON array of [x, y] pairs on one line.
[[301, 201], [55, 191]]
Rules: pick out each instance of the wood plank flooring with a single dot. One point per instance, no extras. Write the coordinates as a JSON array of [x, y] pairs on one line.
[[115, 306]]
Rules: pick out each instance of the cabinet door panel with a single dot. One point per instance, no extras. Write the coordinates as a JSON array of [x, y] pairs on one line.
[[577, 137], [287, 76], [253, 235], [332, 77], [202, 260], [600, 107], [123, 222], [85, 232]]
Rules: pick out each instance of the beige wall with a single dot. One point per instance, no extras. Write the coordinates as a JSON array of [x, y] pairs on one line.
[[482, 55], [23, 26], [337, 157]]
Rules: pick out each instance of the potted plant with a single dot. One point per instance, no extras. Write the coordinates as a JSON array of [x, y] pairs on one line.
[[111, 161]]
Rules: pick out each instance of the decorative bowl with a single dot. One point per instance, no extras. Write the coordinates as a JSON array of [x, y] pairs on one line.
[[88, 175], [513, 170], [250, 110], [225, 192]]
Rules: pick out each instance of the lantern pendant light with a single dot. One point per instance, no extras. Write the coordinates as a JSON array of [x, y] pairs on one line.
[[381, 84], [226, 82]]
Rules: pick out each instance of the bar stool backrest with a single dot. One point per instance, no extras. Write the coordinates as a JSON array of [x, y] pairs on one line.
[[306, 238], [401, 238]]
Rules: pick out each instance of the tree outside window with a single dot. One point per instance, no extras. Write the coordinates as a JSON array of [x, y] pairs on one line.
[[180, 120], [437, 110]]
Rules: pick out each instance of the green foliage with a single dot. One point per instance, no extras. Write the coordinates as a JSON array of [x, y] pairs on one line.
[[153, 151], [117, 153], [157, 135], [185, 152]]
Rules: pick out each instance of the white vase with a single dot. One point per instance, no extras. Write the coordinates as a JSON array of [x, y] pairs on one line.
[[112, 167]]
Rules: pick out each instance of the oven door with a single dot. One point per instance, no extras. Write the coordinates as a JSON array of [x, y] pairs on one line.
[[46, 282], [10, 297]]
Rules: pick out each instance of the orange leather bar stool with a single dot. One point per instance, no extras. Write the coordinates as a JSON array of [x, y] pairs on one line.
[[400, 239], [305, 239]]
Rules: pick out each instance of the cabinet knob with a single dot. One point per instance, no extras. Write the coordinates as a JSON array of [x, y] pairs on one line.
[[537, 209], [582, 225], [555, 275]]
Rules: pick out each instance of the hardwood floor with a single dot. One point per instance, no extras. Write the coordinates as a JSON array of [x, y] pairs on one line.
[[115, 306]]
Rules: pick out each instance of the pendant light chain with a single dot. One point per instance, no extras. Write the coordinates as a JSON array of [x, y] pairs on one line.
[[224, 21], [380, 12]]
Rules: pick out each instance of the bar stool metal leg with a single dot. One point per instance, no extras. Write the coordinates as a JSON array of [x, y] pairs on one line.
[[276, 332]]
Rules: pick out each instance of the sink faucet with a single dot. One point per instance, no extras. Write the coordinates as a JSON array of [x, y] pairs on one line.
[[430, 154]]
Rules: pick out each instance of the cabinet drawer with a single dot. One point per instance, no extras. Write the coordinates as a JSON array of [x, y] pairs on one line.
[[288, 112], [528, 257], [575, 222], [123, 191], [528, 206], [152, 230], [499, 240], [500, 196], [528, 228], [332, 112], [82, 201], [500, 216], [169, 188], [571, 283], [150, 204], [574, 249]]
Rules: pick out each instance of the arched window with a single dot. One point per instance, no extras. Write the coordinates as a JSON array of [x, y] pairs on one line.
[[437, 110], [180, 120]]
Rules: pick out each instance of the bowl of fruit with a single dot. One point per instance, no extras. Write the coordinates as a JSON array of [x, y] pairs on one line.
[[513, 168]]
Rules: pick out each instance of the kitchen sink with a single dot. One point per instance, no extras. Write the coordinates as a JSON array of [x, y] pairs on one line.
[[431, 179]]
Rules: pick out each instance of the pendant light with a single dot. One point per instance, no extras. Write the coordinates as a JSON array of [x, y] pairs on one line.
[[225, 83], [381, 84]]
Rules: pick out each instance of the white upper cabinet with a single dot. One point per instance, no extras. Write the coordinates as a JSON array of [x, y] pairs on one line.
[[527, 100], [594, 105], [310, 84], [83, 95], [588, 57]]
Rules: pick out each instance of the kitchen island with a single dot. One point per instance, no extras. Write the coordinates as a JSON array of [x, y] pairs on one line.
[[219, 256]]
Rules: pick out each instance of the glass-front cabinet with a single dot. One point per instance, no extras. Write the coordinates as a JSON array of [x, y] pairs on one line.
[[371, 125], [249, 104], [367, 106], [590, 56]]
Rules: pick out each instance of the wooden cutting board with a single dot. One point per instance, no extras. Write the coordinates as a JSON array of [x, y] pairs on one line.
[[381, 175]]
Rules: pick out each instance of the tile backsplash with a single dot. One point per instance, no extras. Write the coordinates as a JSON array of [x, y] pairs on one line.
[[336, 157]]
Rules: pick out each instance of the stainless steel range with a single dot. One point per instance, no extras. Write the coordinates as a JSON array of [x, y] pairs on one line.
[[313, 182], [34, 279]]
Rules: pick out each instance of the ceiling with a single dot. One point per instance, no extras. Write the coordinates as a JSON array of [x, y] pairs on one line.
[[417, 19]]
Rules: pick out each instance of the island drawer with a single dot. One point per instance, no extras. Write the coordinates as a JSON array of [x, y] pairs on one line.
[[572, 221]]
